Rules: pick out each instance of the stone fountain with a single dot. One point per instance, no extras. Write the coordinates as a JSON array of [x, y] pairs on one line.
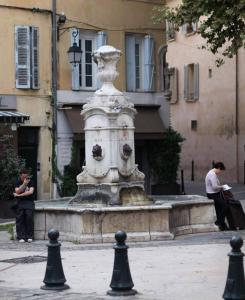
[[110, 175], [110, 195]]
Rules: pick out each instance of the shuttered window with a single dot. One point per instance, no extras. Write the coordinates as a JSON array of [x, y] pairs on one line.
[[139, 63], [174, 86], [191, 82], [84, 74], [27, 57]]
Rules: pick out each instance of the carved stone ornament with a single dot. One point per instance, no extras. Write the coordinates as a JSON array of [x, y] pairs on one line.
[[126, 151], [97, 152]]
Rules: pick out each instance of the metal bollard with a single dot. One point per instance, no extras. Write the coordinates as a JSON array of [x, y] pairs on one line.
[[182, 183], [192, 170], [121, 282], [235, 283], [54, 277]]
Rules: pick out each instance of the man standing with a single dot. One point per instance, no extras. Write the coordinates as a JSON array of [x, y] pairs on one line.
[[213, 190], [24, 190]]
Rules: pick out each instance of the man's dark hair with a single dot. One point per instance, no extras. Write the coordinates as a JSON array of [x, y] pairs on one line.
[[24, 171], [219, 165]]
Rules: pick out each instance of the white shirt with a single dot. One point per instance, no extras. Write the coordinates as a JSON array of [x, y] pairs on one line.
[[212, 183]]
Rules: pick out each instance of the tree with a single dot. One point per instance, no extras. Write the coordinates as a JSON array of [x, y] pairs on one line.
[[10, 166], [164, 157], [69, 182], [221, 22]]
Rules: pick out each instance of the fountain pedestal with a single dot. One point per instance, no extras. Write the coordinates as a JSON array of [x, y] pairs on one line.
[[110, 175]]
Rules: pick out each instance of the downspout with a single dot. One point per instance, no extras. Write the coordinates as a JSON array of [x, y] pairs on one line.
[[54, 96], [237, 114]]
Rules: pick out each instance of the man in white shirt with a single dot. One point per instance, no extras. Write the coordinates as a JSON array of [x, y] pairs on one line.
[[213, 190]]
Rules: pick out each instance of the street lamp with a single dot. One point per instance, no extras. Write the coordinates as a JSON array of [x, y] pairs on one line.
[[74, 52]]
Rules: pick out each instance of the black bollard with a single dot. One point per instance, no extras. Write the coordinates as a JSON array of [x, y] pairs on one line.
[[121, 281], [192, 170], [235, 284], [182, 183], [54, 277]]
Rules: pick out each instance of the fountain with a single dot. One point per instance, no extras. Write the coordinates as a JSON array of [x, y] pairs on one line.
[[110, 175], [110, 193]]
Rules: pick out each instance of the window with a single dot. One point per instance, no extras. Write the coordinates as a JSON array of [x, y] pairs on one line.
[[189, 28], [210, 72], [87, 69], [174, 88], [26, 57], [194, 125], [84, 74], [139, 63], [170, 31], [191, 82]]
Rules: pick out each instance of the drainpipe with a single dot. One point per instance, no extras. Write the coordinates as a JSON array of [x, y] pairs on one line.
[[54, 95], [237, 114]]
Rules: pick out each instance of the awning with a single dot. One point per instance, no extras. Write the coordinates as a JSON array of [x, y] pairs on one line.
[[148, 123], [75, 119], [148, 120], [13, 117]]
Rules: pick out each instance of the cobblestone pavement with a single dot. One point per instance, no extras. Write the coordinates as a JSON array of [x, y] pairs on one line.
[[193, 266], [189, 239]]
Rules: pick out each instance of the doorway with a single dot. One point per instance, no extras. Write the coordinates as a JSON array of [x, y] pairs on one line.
[[27, 149]]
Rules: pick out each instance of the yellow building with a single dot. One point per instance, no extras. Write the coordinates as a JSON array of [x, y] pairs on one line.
[[46, 93], [25, 85], [126, 25]]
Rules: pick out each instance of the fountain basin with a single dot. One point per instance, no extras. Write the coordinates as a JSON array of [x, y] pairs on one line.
[[168, 217]]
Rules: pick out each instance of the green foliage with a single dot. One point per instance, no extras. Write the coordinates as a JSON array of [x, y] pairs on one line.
[[69, 182], [164, 157], [9, 228], [221, 22], [10, 166]]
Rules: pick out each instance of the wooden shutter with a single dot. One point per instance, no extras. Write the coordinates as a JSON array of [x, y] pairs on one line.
[[196, 81], [174, 86], [184, 29], [22, 56], [167, 30], [148, 63], [186, 82], [35, 57], [194, 26], [170, 31], [130, 63], [101, 40], [75, 69]]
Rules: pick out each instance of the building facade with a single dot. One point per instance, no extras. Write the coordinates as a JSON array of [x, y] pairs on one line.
[[127, 26], [25, 86], [207, 105]]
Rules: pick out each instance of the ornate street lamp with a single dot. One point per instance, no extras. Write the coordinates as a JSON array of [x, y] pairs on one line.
[[74, 52]]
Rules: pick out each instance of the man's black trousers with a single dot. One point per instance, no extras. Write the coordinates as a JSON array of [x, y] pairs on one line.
[[220, 208], [24, 223]]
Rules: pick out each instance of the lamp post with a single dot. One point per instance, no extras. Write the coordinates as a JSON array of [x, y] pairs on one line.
[[74, 52]]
